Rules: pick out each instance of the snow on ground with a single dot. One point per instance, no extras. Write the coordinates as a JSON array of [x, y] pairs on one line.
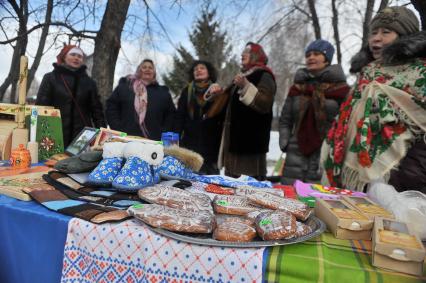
[[274, 152], [272, 156]]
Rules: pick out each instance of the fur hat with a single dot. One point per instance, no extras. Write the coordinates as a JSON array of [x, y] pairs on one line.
[[60, 59], [400, 51], [398, 18], [322, 46], [188, 157]]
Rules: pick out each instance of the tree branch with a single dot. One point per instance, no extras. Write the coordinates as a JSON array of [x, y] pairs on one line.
[[315, 21], [81, 33], [335, 23], [383, 4], [367, 20]]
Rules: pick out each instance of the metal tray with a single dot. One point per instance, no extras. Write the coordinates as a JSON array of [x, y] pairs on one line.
[[205, 239]]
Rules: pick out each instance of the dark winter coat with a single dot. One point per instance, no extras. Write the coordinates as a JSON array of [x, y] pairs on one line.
[[297, 165], [411, 172], [82, 108], [247, 126], [199, 134], [250, 127], [121, 114]]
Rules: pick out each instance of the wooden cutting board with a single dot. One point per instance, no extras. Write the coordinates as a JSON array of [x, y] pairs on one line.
[[14, 182]]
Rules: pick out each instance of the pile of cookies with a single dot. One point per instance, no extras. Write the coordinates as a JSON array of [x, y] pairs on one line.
[[237, 215]]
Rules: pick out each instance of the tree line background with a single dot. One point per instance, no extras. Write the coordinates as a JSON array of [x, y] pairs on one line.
[[292, 24]]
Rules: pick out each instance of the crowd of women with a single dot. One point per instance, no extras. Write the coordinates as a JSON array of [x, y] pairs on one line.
[[332, 133]]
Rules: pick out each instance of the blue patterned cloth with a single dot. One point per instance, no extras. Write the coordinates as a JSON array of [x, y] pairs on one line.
[[225, 181], [105, 172], [173, 168], [136, 174]]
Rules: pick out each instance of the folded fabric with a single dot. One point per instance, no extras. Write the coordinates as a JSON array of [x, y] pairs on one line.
[[77, 191], [241, 182], [324, 192], [57, 201], [109, 167], [84, 162], [181, 184]]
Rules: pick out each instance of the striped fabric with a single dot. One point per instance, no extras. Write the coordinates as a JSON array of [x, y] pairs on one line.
[[327, 259]]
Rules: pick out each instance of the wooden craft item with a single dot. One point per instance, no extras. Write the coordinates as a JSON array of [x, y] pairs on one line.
[[32, 144], [20, 157], [16, 183], [20, 134]]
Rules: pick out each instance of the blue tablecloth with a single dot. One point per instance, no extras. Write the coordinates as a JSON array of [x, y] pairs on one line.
[[22, 226]]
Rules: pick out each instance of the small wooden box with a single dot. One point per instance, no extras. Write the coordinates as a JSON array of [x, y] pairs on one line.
[[344, 221], [397, 247], [368, 207]]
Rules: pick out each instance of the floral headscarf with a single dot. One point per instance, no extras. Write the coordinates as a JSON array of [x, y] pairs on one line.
[[258, 58]]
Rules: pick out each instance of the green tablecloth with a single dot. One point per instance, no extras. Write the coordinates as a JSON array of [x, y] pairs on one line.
[[327, 259]]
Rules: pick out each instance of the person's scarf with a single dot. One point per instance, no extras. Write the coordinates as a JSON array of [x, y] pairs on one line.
[[311, 126], [258, 60], [141, 100], [384, 114], [196, 92]]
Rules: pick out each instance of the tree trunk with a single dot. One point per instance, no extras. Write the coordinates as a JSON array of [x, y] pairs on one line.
[[315, 21], [335, 22], [107, 46], [420, 6], [367, 20], [19, 49], [383, 4], [41, 44]]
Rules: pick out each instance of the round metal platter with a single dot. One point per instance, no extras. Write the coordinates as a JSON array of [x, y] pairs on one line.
[[205, 239]]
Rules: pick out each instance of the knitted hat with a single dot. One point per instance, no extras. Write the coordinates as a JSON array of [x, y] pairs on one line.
[[399, 19], [60, 59], [322, 46]]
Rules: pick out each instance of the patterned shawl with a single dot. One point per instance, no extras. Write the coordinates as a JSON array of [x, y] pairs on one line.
[[141, 100], [311, 126], [384, 114], [196, 92]]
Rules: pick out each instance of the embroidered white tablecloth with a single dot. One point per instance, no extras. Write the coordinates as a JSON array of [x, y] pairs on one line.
[[131, 252]]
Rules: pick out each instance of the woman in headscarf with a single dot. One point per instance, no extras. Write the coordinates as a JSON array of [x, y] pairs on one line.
[[200, 115], [249, 115], [139, 106], [380, 131], [312, 103], [73, 92]]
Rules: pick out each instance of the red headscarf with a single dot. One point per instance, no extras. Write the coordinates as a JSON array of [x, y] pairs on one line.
[[258, 58], [60, 59]]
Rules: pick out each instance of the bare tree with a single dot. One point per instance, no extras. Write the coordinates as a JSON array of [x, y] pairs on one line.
[[383, 4], [420, 6], [107, 46], [335, 23], [21, 15], [314, 17], [367, 19], [42, 43]]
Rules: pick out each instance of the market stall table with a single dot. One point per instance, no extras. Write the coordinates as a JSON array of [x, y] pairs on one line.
[[35, 247], [32, 242]]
